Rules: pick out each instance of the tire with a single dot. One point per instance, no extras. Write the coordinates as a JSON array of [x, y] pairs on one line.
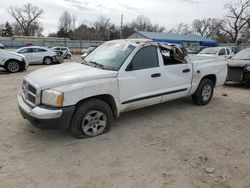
[[47, 61], [204, 92], [68, 56], [91, 118], [13, 66]]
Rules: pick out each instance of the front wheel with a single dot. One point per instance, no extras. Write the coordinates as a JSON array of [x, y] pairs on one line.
[[68, 56], [13, 66], [91, 118], [204, 92]]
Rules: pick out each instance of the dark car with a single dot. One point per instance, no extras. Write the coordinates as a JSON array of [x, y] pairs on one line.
[[239, 67]]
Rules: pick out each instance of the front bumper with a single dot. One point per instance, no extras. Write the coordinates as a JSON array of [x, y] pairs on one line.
[[58, 59], [46, 117], [26, 64]]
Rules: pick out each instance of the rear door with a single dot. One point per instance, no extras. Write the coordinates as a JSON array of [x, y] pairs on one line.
[[177, 75], [38, 55]]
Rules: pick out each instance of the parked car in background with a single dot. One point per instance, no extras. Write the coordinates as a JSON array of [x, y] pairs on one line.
[[65, 51], [39, 55], [13, 62], [216, 52], [1, 46], [239, 67], [116, 77], [88, 51]]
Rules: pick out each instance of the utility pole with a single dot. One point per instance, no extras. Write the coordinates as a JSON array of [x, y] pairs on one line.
[[121, 26]]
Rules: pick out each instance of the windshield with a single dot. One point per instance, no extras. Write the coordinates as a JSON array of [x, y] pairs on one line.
[[212, 51], [242, 55], [110, 55]]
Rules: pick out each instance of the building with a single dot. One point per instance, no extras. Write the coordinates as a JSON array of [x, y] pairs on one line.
[[190, 41]]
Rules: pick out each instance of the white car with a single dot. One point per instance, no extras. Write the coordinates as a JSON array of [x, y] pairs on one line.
[[65, 50], [116, 77], [216, 52], [12, 62], [39, 55], [1, 46]]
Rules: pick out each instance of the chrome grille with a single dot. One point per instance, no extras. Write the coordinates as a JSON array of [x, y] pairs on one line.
[[29, 93]]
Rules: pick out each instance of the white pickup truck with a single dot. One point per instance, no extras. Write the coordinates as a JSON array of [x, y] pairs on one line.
[[117, 76]]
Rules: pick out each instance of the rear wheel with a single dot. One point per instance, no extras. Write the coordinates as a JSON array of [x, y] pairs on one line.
[[47, 60], [91, 118], [13, 66], [68, 56], [204, 92]]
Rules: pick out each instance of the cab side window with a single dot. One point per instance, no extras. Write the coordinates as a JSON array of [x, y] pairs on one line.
[[171, 58], [145, 58], [222, 51]]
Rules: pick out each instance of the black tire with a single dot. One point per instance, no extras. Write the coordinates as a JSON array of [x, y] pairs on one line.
[[47, 61], [68, 56], [13, 66], [201, 98], [81, 125]]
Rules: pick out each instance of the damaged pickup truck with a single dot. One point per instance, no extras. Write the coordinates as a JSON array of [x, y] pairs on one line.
[[117, 76]]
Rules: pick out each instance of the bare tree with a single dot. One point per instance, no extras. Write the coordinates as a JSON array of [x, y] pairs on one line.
[[142, 23], [181, 28], [65, 22], [102, 27], [207, 27], [237, 18], [102, 24], [27, 18]]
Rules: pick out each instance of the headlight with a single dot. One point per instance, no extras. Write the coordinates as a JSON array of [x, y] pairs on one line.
[[52, 98]]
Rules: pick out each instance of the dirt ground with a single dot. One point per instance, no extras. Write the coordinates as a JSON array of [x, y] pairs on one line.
[[173, 145]]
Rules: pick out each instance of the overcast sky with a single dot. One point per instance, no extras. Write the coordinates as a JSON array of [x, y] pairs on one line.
[[167, 13]]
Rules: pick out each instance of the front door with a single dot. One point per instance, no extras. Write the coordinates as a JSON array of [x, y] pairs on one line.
[[27, 52], [142, 83]]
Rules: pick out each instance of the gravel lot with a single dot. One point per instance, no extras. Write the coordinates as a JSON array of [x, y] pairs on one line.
[[173, 145]]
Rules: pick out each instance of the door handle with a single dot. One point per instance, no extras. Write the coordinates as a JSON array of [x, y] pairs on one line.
[[156, 75], [186, 70]]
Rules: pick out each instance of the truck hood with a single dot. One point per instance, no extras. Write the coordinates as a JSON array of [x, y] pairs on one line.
[[68, 73]]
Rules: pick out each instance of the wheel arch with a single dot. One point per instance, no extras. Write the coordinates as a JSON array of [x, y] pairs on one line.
[[47, 56], [106, 98], [12, 59], [211, 77]]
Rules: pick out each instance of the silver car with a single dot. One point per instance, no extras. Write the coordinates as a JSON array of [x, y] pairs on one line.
[[65, 51], [39, 55]]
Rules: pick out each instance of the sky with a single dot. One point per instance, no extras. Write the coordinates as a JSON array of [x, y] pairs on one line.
[[167, 13]]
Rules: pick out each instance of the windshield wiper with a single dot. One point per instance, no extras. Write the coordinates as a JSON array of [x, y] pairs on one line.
[[97, 64]]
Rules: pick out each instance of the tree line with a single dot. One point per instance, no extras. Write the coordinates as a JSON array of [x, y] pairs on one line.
[[233, 27]]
